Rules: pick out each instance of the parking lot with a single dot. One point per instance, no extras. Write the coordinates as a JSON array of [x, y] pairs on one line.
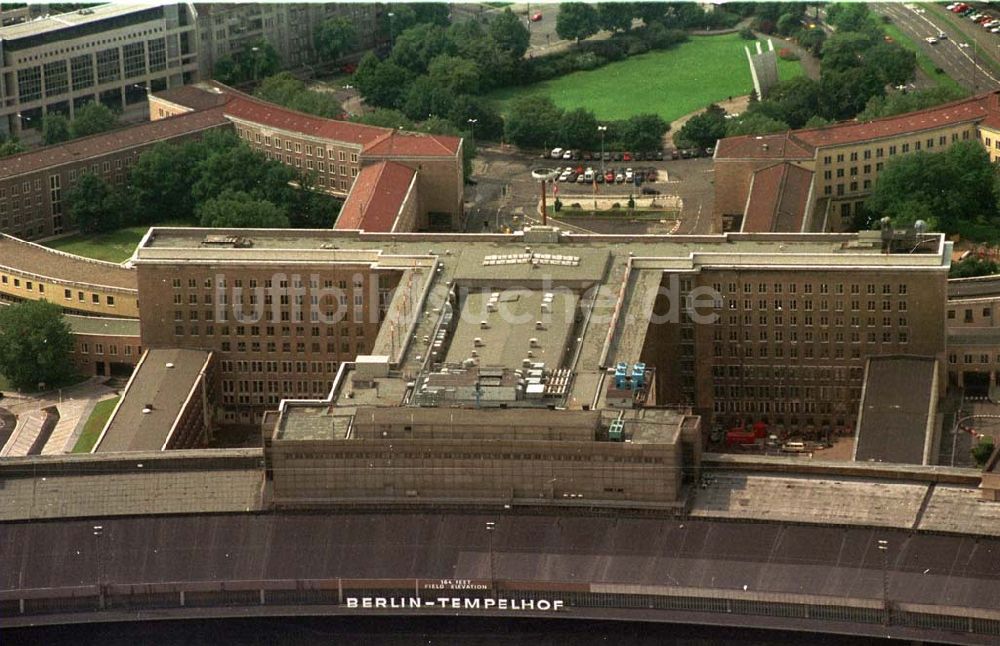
[[505, 195]]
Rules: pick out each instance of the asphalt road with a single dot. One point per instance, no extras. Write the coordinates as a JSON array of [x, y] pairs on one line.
[[957, 61]]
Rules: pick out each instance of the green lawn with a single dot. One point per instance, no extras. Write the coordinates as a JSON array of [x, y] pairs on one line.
[[116, 246], [95, 424], [670, 83]]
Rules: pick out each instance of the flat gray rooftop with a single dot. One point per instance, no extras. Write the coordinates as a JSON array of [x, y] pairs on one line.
[[102, 325], [506, 341], [898, 404], [60, 21], [165, 387]]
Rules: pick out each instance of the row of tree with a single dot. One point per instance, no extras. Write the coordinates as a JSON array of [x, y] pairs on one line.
[[90, 119], [214, 181], [536, 122], [579, 20], [284, 89]]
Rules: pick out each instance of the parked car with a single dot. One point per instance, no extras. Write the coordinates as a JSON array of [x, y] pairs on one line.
[[651, 175], [646, 190], [626, 156], [794, 446], [588, 176], [581, 179], [599, 178], [587, 156], [617, 157], [675, 154], [563, 176], [629, 174], [606, 156], [567, 154], [557, 153], [931, 40], [620, 177], [638, 156], [536, 17], [609, 176], [710, 151]]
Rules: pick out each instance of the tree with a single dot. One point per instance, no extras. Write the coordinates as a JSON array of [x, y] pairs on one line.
[[385, 118], [510, 34], [485, 121], [944, 189], [55, 128], [973, 266], [895, 64], [982, 451], [236, 209], [615, 16], [900, 102], [92, 119], [11, 147], [843, 94], [163, 176], [87, 205], [395, 19], [578, 129], [437, 13], [454, 74], [381, 83], [532, 121], [845, 51], [576, 21], [234, 166], [334, 37], [817, 121], [751, 123], [812, 40], [258, 59], [416, 47], [793, 101], [788, 24], [642, 132], [35, 344], [284, 89], [425, 98], [311, 208], [702, 130], [848, 16]]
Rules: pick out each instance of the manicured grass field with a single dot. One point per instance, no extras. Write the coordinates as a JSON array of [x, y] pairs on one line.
[[95, 424], [115, 246], [670, 83]]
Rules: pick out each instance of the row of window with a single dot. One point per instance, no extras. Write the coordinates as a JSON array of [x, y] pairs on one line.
[[967, 314], [968, 358], [67, 293], [358, 281], [807, 288], [807, 335], [764, 351], [468, 455], [748, 372], [320, 152], [84, 348], [879, 152], [250, 366]]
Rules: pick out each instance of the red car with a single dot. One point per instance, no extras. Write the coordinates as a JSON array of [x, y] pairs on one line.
[[609, 176], [535, 17], [627, 157]]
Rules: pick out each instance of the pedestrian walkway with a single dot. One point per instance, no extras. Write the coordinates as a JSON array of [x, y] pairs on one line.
[[69, 416], [28, 428]]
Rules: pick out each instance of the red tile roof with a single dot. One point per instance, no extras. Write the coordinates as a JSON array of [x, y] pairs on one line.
[[384, 142], [779, 196], [971, 109], [801, 144], [108, 142], [412, 144], [376, 198], [777, 146]]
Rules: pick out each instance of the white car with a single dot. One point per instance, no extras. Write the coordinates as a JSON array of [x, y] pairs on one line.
[[931, 40], [568, 154], [629, 175], [564, 176], [556, 153], [588, 176]]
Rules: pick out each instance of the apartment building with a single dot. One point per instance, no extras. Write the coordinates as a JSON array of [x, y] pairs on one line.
[[227, 29], [114, 54], [844, 160]]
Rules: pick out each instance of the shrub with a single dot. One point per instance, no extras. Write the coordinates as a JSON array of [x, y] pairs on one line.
[[587, 61], [616, 205], [557, 205], [747, 34], [631, 202], [575, 205], [787, 54]]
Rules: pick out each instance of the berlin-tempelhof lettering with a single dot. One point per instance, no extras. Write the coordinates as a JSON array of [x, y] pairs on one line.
[[454, 603]]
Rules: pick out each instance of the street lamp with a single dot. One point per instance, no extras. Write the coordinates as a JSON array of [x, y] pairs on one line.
[[490, 528], [255, 49], [472, 123], [602, 130], [392, 35], [883, 547]]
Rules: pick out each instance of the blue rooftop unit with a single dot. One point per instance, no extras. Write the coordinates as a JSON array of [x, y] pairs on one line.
[[621, 375], [638, 375]]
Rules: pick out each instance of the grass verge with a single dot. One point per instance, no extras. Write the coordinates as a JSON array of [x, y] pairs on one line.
[[670, 83], [923, 60], [94, 425], [113, 246], [984, 54]]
